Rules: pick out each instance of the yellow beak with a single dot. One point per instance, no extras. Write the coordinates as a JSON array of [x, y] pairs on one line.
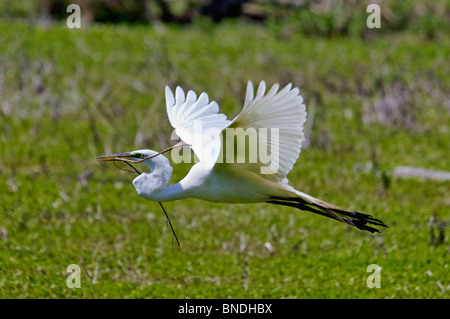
[[126, 157]]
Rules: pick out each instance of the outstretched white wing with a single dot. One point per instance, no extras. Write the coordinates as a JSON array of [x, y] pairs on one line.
[[197, 122], [280, 115]]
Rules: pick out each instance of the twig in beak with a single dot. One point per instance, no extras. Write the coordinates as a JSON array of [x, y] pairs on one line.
[[171, 227], [123, 169], [174, 235], [128, 161], [139, 173]]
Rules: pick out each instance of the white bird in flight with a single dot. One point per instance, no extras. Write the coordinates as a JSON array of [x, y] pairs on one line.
[[233, 181]]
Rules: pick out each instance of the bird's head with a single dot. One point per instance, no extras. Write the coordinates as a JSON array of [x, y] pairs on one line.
[[139, 156]]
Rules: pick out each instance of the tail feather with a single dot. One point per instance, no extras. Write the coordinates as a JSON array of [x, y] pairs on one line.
[[355, 219]]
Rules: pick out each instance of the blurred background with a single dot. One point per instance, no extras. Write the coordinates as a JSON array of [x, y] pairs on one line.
[[377, 141], [321, 17]]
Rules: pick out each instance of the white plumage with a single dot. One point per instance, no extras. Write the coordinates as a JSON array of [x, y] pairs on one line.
[[198, 123], [185, 112], [284, 111]]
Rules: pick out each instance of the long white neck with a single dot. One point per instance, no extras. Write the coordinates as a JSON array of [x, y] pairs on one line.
[[153, 185]]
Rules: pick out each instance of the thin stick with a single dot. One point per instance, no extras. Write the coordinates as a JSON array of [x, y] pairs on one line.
[[171, 227], [123, 169], [167, 216], [139, 173]]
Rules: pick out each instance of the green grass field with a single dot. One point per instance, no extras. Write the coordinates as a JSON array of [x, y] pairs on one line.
[[67, 96]]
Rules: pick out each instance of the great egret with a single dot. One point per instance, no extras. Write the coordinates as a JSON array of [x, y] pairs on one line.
[[234, 181]]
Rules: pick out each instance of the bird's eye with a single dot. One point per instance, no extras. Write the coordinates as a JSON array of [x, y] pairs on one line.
[[138, 155]]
